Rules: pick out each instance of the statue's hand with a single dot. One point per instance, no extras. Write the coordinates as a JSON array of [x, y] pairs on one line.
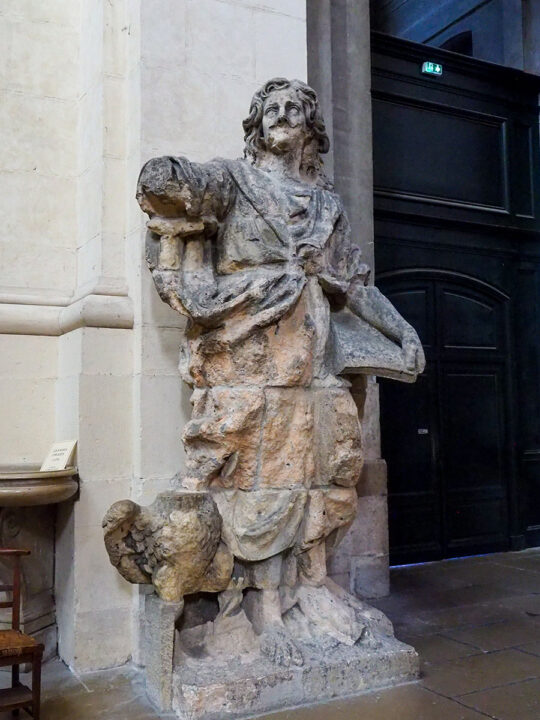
[[413, 353], [175, 227], [167, 286]]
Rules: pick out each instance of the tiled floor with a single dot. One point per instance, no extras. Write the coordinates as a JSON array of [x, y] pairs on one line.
[[475, 623]]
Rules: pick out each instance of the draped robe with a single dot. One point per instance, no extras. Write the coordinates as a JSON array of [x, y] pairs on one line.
[[274, 434]]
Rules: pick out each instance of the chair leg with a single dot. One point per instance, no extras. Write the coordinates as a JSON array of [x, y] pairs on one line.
[[14, 683], [36, 686], [14, 675]]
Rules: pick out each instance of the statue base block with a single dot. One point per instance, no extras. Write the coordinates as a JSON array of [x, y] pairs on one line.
[[246, 687]]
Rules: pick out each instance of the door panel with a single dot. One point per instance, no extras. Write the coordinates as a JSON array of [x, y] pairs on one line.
[[407, 436], [472, 435], [467, 322], [456, 164], [472, 458], [422, 137], [444, 438], [407, 424]]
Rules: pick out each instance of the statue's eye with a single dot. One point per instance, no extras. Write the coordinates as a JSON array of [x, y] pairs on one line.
[[271, 110]]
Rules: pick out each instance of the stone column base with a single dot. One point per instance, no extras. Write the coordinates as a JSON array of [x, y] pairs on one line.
[[160, 618], [211, 690]]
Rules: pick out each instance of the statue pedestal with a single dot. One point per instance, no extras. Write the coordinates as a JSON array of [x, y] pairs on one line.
[[208, 667], [206, 689]]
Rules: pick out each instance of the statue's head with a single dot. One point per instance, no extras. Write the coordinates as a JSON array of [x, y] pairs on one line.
[[285, 115]]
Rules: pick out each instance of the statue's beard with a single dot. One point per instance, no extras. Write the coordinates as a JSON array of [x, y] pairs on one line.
[[283, 139]]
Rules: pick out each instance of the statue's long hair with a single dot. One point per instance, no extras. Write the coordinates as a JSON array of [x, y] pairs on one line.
[[319, 143]]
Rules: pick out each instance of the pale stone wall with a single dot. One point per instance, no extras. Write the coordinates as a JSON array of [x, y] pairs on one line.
[[38, 167], [90, 89], [94, 392], [38, 155]]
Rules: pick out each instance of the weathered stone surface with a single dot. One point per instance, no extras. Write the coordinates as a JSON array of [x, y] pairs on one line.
[[240, 354], [246, 527], [159, 620], [172, 544], [258, 254], [287, 439], [330, 509], [369, 576], [338, 450], [360, 348], [235, 690], [221, 673], [223, 437], [373, 480]]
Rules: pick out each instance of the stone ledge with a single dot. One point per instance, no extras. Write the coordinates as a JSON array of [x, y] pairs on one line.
[[93, 310]]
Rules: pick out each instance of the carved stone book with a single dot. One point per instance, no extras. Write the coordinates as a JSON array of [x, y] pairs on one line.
[[359, 348]]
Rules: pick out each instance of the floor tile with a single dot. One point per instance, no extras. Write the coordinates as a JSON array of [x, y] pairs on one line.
[[479, 672], [524, 561], [93, 696], [421, 577], [528, 605], [497, 636], [531, 648], [507, 578], [435, 648], [520, 701], [475, 615]]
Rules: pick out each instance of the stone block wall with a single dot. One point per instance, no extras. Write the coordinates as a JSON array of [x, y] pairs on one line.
[[90, 90]]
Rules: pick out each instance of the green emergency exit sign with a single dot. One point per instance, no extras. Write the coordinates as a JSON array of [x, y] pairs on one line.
[[432, 68]]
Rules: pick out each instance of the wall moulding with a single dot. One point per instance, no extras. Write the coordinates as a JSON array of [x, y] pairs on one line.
[[29, 314]]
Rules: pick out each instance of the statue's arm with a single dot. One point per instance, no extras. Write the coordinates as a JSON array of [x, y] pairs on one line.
[[370, 304], [177, 189], [185, 202]]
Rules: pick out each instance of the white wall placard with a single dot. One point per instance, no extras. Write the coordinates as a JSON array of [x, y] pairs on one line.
[[59, 456]]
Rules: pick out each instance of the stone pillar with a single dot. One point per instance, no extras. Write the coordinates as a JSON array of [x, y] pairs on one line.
[[339, 68], [160, 618], [531, 36], [94, 393], [513, 30], [94, 404]]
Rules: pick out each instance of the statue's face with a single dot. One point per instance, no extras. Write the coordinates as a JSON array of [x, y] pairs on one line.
[[284, 122]]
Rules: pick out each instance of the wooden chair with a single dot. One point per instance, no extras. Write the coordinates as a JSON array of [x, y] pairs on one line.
[[17, 648]]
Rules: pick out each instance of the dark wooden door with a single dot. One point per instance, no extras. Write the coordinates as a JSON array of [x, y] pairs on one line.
[[446, 438], [456, 162]]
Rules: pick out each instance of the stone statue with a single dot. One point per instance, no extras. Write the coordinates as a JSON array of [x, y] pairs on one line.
[[258, 254]]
